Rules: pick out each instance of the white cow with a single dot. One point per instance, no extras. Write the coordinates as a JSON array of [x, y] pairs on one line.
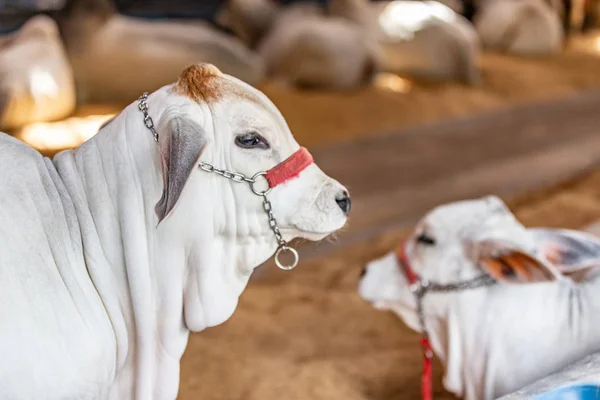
[[495, 339], [424, 39], [523, 27], [115, 57], [111, 254], [302, 46], [36, 81]]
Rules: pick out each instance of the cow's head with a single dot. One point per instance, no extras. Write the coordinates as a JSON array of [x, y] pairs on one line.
[[464, 240], [220, 227]]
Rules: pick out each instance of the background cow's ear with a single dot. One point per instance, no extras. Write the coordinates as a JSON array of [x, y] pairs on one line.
[[575, 254], [180, 146], [506, 262]]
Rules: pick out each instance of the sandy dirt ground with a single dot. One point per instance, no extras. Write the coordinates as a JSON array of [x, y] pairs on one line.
[[306, 334]]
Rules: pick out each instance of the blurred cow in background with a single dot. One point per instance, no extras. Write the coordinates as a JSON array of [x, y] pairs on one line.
[[302, 46], [120, 48], [36, 80], [117, 57], [523, 27], [422, 39], [537, 314]]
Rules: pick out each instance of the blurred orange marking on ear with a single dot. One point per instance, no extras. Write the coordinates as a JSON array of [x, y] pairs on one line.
[[519, 264], [494, 268], [515, 265]]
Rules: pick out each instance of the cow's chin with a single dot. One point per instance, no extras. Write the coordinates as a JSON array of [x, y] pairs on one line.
[[295, 233], [408, 316], [315, 229]]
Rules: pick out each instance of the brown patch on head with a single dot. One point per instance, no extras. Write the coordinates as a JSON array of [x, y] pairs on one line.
[[206, 82], [200, 81]]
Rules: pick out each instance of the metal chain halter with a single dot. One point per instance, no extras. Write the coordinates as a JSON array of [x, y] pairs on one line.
[[143, 107], [282, 245], [419, 287], [422, 286]]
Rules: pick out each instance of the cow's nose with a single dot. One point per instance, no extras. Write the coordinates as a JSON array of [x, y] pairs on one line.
[[343, 200]]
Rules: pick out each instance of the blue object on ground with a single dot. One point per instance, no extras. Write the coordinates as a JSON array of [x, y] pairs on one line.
[[578, 381], [574, 392]]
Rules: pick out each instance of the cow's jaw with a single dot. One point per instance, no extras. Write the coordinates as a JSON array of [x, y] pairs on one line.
[[218, 245], [222, 231]]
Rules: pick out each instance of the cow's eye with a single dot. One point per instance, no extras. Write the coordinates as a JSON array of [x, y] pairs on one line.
[[251, 140], [425, 239]]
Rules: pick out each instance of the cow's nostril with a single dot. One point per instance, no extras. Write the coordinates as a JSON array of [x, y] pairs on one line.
[[343, 200], [363, 272]]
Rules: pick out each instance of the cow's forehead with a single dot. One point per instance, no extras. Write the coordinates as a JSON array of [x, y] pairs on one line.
[[471, 215], [205, 82]]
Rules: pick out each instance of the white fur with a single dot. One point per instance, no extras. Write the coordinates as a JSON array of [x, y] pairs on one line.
[[98, 298], [524, 27], [124, 56], [496, 339], [301, 46], [36, 81], [423, 39], [305, 48]]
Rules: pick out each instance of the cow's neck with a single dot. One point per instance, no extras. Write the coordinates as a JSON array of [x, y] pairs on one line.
[[113, 182], [152, 280], [493, 345]]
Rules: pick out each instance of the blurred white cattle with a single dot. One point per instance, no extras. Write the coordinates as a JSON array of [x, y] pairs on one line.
[[423, 39], [306, 48], [36, 81], [117, 57], [524, 27], [539, 315], [302, 46]]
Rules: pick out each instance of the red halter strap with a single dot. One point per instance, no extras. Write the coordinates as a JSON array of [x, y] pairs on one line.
[[419, 287], [290, 168], [415, 282], [406, 266]]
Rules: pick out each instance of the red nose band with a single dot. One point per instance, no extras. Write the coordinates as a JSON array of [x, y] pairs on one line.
[[290, 168], [405, 264]]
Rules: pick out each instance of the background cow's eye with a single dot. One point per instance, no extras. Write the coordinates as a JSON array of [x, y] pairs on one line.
[[251, 140], [423, 238]]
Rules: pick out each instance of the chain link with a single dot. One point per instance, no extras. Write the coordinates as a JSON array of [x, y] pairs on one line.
[[267, 206], [282, 245], [143, 107], [422, 286], [238, 178]]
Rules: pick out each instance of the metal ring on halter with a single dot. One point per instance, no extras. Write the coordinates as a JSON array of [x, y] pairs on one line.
[[256, 191], [289, 249]]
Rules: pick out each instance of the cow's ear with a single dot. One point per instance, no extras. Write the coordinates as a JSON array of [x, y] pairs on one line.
[[575, 254], [506, 262], [180, 144]]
